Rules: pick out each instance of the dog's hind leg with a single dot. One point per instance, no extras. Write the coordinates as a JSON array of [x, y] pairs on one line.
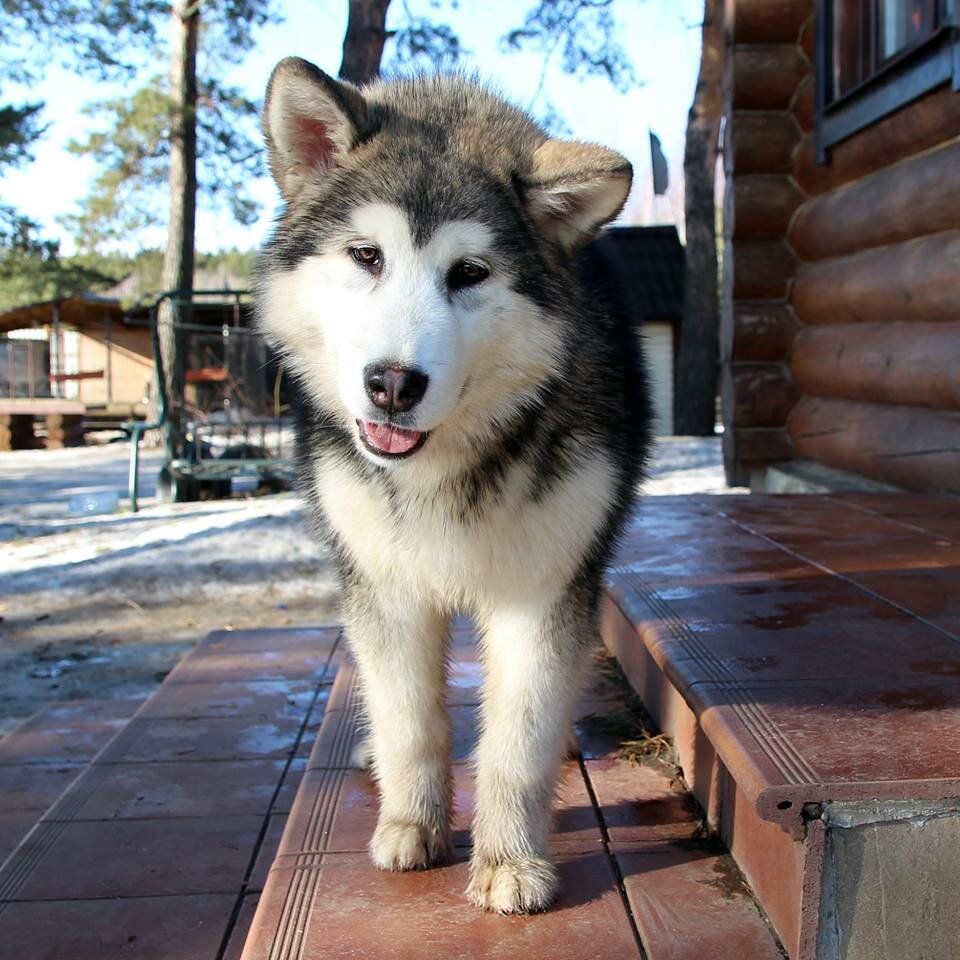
[[400, 648], [535, 657]]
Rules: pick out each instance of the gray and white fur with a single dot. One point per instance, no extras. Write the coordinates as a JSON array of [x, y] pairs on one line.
[[474, 423]]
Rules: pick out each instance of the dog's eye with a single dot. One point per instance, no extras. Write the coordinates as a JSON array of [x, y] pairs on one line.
[[366, 255], [466, 273]]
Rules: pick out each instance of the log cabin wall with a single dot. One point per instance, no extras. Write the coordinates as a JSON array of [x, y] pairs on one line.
[[768, 89], [842, 314], [878, 295]]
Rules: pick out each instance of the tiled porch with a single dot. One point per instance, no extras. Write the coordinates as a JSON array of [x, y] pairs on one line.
[[803, 653]]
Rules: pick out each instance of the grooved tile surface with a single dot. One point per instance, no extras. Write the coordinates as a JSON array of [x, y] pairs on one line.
[[323, 897], [805, 632], [153, 849]]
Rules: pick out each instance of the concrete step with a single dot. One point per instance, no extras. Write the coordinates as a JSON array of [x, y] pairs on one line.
[[44, 755], [152, 848], [638, 878], [804, 654]]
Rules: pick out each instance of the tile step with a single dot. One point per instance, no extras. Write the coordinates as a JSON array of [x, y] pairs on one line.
[[637, 881], [799, 650], [45, 754]]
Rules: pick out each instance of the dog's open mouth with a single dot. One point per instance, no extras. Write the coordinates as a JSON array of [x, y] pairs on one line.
[[387, 440]]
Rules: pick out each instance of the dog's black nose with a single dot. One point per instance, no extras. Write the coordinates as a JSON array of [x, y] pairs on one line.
[[395, 389]]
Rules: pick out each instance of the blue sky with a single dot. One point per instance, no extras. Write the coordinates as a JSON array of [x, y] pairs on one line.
[[661, 36]]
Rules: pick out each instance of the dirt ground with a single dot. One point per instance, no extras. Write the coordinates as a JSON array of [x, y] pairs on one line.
[[104, 605]]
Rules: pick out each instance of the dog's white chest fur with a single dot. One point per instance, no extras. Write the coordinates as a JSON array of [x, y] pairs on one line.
[[514, 548]]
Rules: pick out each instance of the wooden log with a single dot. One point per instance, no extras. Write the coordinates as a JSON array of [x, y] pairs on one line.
[[763, 206], [761, 270], [762, 141], [804, 104], [808, 37], [16, 432], [915, 364], [762, 332], [64, 430], [917, 280], [909, 447], [769, 21], [757, 447], [917, 197], [763, 394], [928, 121], [766, 77]]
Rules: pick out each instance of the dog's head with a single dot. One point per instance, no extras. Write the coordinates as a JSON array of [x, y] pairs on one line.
[[417, 271]]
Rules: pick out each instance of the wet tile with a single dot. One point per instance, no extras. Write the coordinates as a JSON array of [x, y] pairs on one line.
[[233, 738], [213, 666], [849, 732], [427, 909], [28, 791], [266, 699], [927, 592], [64, 733], [221, 788], [692, 904], [139, 858], [267, 852], [775, 602], [641, 805], [145, 928], [337, 811], [290, 785], [238, 936], [896, 646], [11, 833], [307, 639]]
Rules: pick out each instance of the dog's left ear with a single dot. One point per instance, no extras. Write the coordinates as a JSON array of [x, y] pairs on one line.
[[573, 189], [310, 122]]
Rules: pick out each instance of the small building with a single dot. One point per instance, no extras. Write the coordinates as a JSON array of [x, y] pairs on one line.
[[641, 270], [81, 348], [841, 318]]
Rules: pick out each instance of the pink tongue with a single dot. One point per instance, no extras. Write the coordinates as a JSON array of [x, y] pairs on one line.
[[390, 439]]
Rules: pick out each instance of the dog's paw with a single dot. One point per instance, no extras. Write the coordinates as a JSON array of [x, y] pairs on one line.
[[525, 885], [407, 846]]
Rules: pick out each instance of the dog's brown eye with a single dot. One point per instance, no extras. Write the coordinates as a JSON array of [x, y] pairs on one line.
[[466, 273], [367, 255]]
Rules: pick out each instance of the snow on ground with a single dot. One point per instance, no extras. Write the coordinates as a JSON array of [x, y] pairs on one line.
[[104, 605]]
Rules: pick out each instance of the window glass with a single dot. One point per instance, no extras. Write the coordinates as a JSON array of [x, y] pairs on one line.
[[901, 23]]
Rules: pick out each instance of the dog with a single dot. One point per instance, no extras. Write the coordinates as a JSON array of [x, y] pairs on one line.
[[473, 428]]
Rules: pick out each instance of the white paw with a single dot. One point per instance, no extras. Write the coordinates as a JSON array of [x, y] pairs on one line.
[[408, 846], [525, 885]]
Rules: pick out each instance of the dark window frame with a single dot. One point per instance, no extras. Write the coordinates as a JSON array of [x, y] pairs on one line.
[[920, 67]]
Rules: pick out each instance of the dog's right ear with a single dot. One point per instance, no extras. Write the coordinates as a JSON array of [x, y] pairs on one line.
[[310, 121]]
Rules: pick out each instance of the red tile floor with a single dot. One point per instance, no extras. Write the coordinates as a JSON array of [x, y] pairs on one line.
[[179, 836], [156, 841], [799, 634]]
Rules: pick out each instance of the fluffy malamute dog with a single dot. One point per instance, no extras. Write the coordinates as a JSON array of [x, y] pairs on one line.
[[473, 430]]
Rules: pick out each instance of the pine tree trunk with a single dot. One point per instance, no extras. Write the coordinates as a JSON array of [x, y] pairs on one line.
[[364, 40], [179, 255], [696, 388]]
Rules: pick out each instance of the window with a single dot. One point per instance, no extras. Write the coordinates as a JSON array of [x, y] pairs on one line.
[[874, 56]]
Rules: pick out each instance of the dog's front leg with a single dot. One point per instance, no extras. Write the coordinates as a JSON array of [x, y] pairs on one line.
[[400, 648], [535, 664]]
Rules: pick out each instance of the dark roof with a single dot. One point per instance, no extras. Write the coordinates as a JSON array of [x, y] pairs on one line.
[[88, 310], [640, 269]]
